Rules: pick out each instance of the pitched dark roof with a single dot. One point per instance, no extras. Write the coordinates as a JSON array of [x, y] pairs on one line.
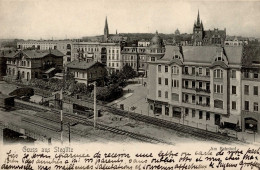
[[203, 54], [82, 64], [36, 53]]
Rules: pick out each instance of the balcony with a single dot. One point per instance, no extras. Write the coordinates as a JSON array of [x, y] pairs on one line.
[[196, 76], [203, 104], [198, 90], [188, 89]]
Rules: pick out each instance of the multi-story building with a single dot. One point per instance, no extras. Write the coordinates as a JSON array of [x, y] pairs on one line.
[[143, 43], [138, 57], [63, 46], [236, 41], [87, 72], [199, 86], [251, 90], [2, 65], [208, 37], [28, 64]]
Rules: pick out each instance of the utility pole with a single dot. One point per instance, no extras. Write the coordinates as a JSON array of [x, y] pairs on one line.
[[61, 116], [61, 105], [95, 104]]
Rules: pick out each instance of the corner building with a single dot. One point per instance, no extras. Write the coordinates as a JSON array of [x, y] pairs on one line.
[[198, 86]]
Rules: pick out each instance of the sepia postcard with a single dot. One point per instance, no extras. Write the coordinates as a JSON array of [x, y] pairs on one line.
[[134, 84]]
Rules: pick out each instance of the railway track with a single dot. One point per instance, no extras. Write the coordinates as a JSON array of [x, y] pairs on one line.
[[85, 121], [203, 134]]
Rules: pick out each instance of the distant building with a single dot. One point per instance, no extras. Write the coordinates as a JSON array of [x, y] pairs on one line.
[[87, 72], [208, 37], [143, 43], [64, 46], [139, 57], [29, 64], [2, 65], [112, 38], [177, 32], [236, 41]]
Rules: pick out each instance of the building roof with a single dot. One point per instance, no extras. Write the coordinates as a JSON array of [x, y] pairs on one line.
[[82, 64], [156, 41], [203, 54], [36, 53]]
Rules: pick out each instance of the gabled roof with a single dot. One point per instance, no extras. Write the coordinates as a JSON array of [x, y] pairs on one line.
[[204, 54], [36, 53], [82, 64]]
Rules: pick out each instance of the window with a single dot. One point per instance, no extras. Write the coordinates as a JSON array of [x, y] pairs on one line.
[[255, 106], [193, 84], [233, 73], [152, 58], [247, 105], [200, 114], [246, 74], [200, 100], [200, 71], [176, 83], [193, 70], [166, 69], [175, 70], [218, 88], [186, 111], [193, 113], [207, 72], [207, 116], [159, 93], [234, 90], [167, 110], [166, 81], [200, 85], [186, 70], [159, 68], [256, 90], [234, 105], [159, 80], [218, 73], [193, 99], [246, 90], [255, 75], [218, 104], [166, 94]]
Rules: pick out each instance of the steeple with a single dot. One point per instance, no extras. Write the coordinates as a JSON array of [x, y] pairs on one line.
[[106, 31], [198, 18]]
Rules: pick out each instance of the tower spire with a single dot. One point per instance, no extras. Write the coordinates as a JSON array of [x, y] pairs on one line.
[[106, 31], [198, 17]]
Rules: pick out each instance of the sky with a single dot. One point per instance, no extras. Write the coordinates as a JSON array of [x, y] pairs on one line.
[[60, 19]]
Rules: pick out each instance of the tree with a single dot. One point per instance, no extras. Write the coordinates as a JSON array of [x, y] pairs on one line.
[[127, 73]]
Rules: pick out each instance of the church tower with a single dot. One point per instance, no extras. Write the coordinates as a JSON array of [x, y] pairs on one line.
[[106, 31], [198, 31]]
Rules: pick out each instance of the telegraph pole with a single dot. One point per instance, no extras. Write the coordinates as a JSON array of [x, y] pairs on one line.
[[61, 105], [95, 104], [61, 116]]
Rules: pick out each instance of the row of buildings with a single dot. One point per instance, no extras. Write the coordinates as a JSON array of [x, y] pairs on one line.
[[111, 49], [210, 82]]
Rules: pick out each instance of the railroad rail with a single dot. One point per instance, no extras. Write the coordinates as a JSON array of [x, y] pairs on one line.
[[199, 133], [85, 121]]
